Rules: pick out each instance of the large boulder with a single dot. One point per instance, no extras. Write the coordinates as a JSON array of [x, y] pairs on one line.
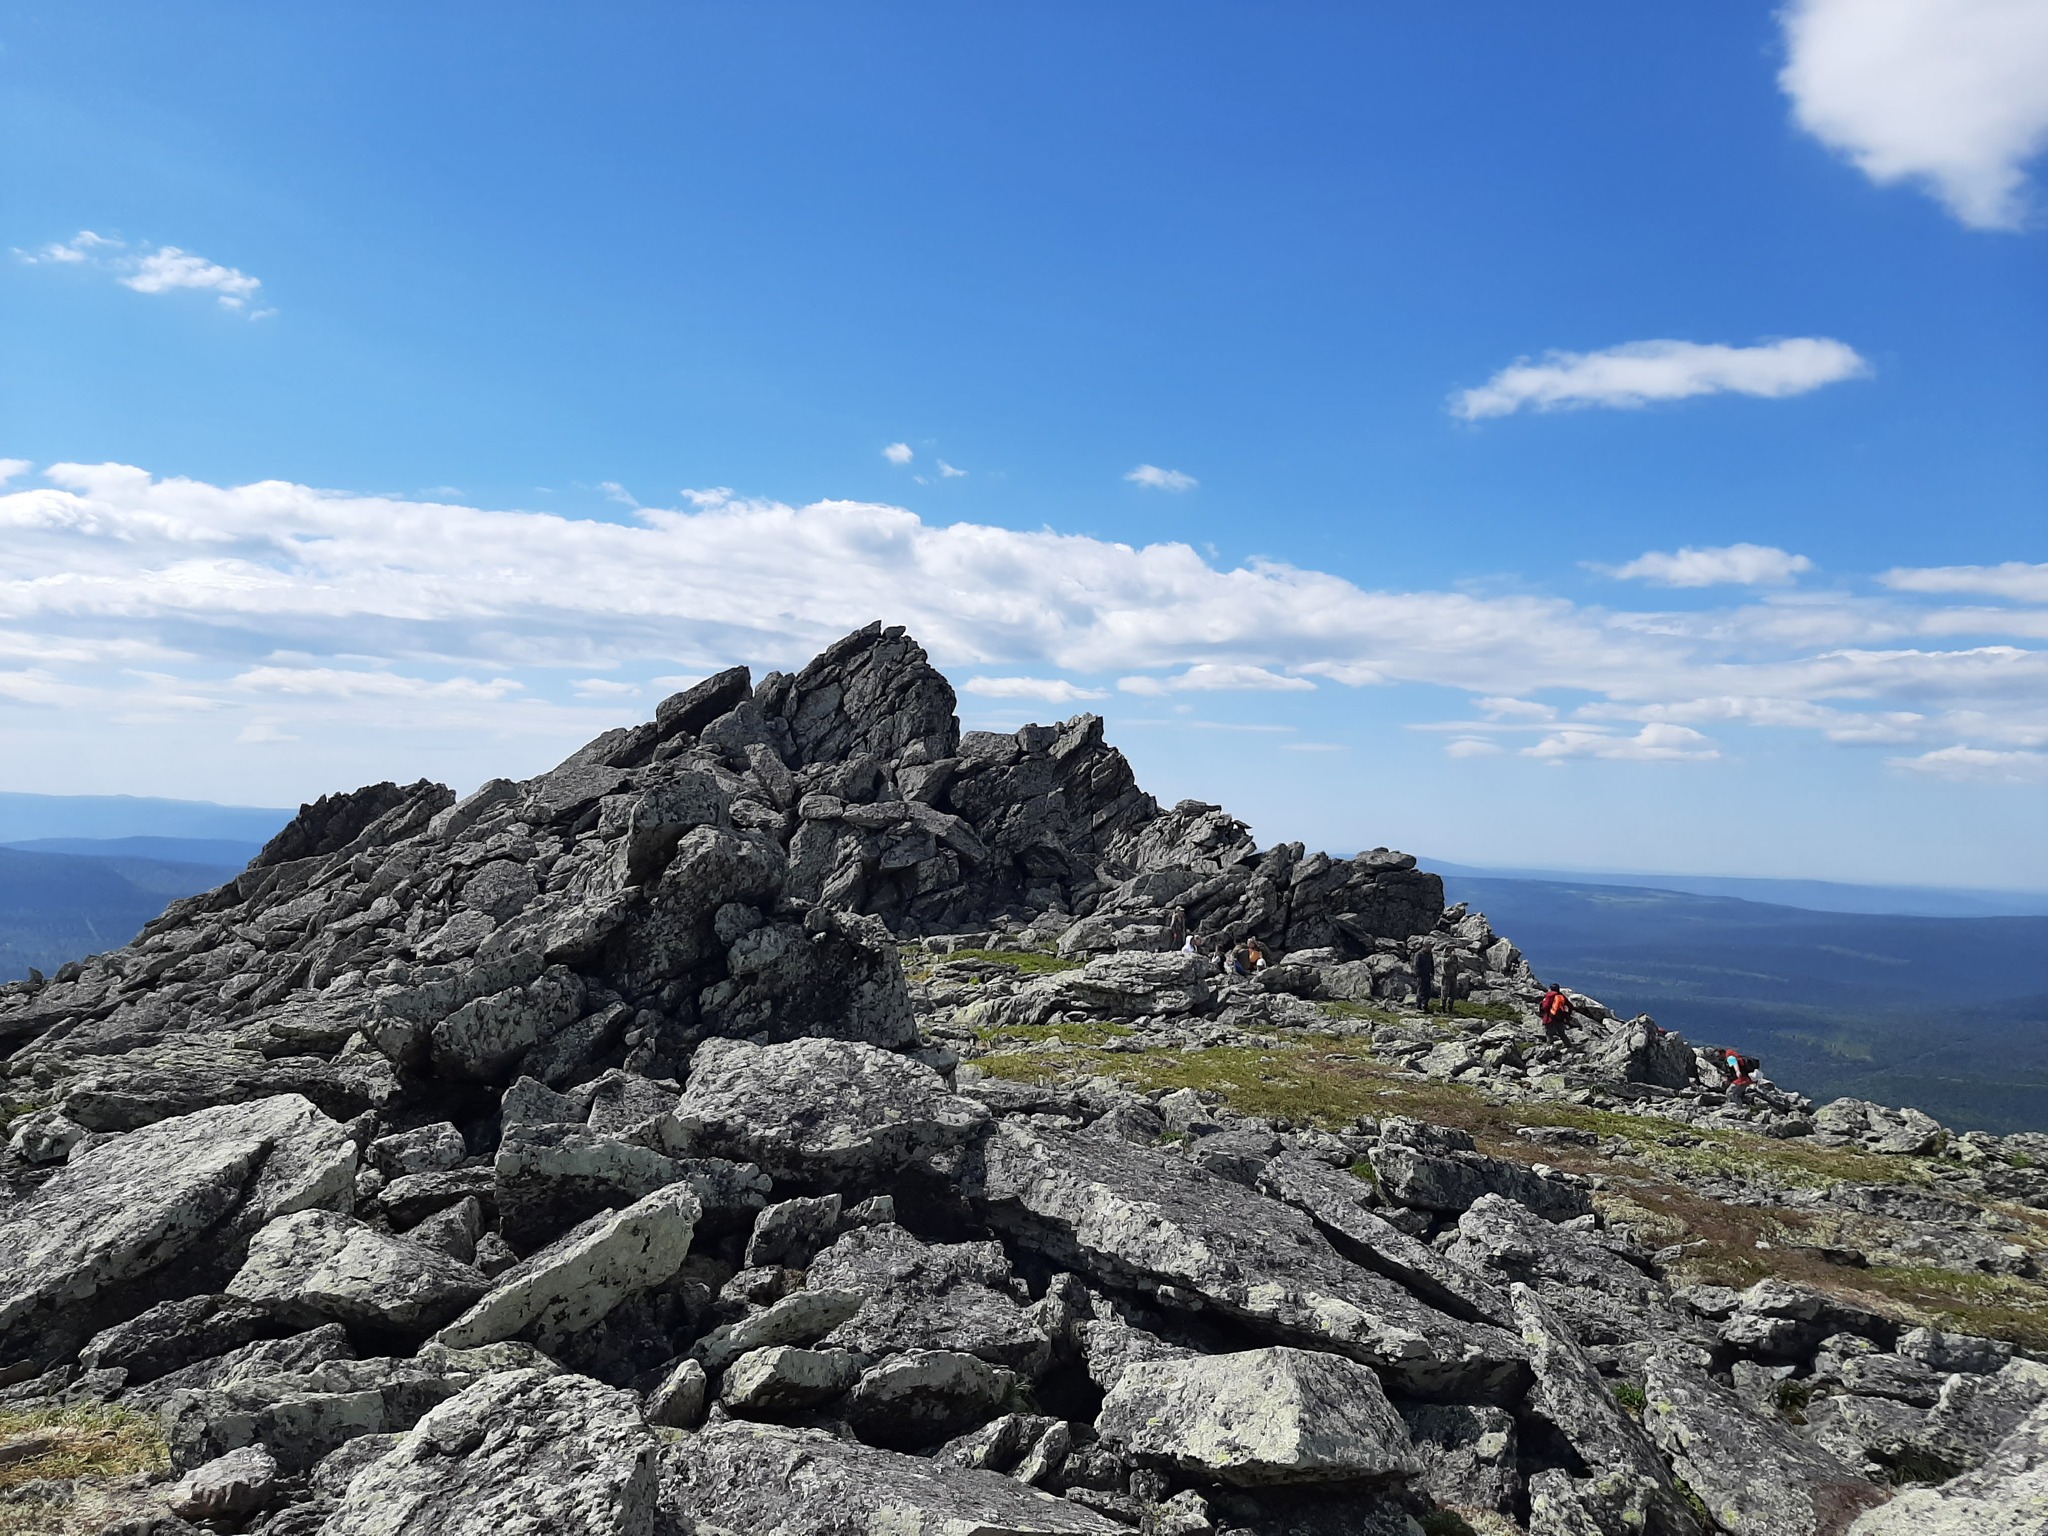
[[1129, 1216], [1437, 1169], [1756, 1477], [792, 1482], [577, 1280], [143, 1201], [915, 1295], [2007, 1495], [313, 1267], [831, 1110], [1260, 1416], [518, 1454]]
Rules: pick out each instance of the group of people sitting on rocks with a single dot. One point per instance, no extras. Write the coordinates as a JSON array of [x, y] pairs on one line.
[[1245, 959]]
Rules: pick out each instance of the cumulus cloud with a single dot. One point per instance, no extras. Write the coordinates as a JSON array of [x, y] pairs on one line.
[[898, 453], [155, 269], [1741, 565], [1652, 744], [1217, 677], [1472, 746], [325, 612], [1949, 94], [1152, 477], [1050, 690], [1641, 372], [2015, 579], [1977, 765]]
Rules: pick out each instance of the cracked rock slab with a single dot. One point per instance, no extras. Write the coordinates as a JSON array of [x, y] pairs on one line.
[[517, 1454], [1129, 1216], [577, 1280], [827, 1109], [1258, 1417], [770, 1481], [313, 1267]]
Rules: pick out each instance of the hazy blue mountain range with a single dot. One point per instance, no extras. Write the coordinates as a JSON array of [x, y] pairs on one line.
[[56, 907], [1944, 1013], [1813, 895]]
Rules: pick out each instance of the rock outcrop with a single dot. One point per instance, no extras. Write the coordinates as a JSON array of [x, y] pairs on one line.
[[792, 1115]]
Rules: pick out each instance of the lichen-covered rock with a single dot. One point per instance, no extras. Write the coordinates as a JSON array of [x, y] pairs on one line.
[[230, 1486], [782, 1379], [1128, 1215], [577, 1280], [138, 1202], [313, 1267], [517, 1454], [1439, 1170], [915, 1295], [1260, 1416], [800, 1318], [773, 1481], [2006, 1495], [828, 1109], [1756, 1478], [924, 1396], [792, 1231]]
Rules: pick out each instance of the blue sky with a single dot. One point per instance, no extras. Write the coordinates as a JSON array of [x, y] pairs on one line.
[[1609, 436]]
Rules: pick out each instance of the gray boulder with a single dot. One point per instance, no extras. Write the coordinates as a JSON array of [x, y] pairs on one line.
[[1259, 1416], [782, 1378], [577, 1280], [789, 1482], [924, 1396], [919, 1296], [1630, 1484], [800, 1318], [1468, 1455], [1600, 1292], [792, 1231], [172, 1335], [2007, 1495], [1756, 1477], [517, 1454], [1436, 1169], [137, 1202], [230, 1486], [1130, 1216], [425, 1149], [314, 1267], [677, 1400], [829, 1109]]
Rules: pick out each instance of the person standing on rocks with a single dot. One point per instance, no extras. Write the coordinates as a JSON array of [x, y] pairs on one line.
[[1447, 981], [1177, 931], [1554, 1010], [1742, 1076], [1425, 975]]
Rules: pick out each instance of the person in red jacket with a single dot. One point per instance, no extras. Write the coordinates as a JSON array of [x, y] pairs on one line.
[[1554, 1010]]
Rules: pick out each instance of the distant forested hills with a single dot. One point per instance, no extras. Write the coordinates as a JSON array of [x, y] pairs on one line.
[[63, 904], [1948, 1014]]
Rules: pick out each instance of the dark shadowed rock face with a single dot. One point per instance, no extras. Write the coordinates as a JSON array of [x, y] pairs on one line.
[[634, 1150]]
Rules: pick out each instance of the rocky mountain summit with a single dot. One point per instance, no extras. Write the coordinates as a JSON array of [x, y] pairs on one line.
[[792, 1115]]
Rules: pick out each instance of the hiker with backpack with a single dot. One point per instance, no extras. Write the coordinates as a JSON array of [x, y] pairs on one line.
[[1742, 1071], [1425, 975], [1447, 981], [1554, 1011]]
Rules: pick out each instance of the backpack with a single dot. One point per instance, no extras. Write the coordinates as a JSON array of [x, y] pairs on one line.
[[1745, 1066], [1556, 1007]]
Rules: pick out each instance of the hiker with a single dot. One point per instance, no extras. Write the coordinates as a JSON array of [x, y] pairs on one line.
[[1425, 975], [1241, 960], [1447, 981], [1255, 954], [1188, 947], [1742, 1072], [1177, 931], [1554, 1010]]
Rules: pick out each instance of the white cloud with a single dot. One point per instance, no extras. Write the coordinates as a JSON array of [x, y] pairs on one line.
[[604, 688], [1051, 690], [1952, 94], [1518, 709], [1215, 677], [898, 453], [1640, 372], [1152, 477], [1652, 744], [613, 491], [1746, 565], [1472, 746], [327, 613], [1977, 765], [168, 268], [2015, 579], [13, 468], [948, 472], [155, 269]]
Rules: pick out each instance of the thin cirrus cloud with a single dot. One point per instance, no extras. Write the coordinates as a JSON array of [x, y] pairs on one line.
[[1730, 565], [1217, 677], [1046, 690], [193, 610], [1153, 478], [1951, 95], [154, 269], [2015, 580], [1641, 373]]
